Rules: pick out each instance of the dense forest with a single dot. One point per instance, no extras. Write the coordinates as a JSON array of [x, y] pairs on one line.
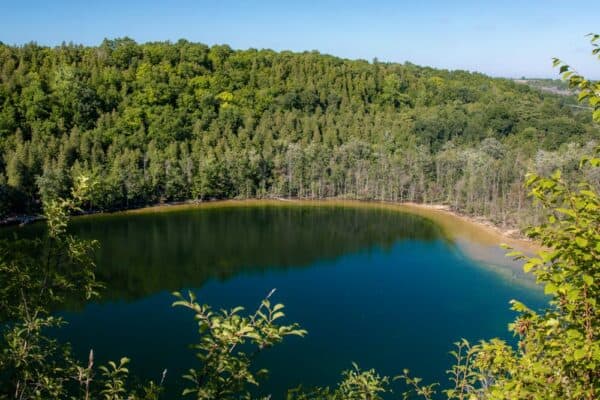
[[164, 121]]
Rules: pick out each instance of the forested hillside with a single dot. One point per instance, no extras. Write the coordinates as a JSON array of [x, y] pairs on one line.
[[172, 121]]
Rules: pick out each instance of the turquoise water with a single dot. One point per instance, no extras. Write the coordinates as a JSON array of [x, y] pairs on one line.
[[384, 289]]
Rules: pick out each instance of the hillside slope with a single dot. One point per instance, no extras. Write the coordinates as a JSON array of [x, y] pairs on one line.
[[171, 121]]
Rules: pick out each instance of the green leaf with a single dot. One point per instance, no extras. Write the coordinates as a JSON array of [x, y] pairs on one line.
[[581, 242], [556, 175], [588, 280], [566, 211], [532, 262], [574, 334], [583, 95], [550, 288], [573, 295], [579, 354], [518, 306]]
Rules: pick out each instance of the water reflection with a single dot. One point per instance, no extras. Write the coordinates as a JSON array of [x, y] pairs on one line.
[[149, 253]]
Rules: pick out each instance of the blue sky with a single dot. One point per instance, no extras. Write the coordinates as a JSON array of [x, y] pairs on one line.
[[500, 38]]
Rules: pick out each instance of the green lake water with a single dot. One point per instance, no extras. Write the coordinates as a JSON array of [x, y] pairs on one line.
[[382, 288]]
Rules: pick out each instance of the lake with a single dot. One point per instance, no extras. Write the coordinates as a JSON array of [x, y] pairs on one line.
[[372, 285]]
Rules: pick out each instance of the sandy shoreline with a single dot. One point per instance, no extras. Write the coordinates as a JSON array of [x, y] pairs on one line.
[[478, 238], [455, 224], [512, 237]]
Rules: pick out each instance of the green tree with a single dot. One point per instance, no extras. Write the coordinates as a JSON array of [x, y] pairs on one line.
[[225, 371]]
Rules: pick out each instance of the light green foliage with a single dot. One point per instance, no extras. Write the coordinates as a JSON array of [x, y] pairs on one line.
[[115, 375], [225, 371], [558, 356], [416, 389], [37, 275], [589, 91], [361, 385], [466, 383], [355, 385]]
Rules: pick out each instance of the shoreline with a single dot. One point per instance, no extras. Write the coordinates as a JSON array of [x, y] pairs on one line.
[[477, 239], [476, 236], [510, 235], [476, 229]]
